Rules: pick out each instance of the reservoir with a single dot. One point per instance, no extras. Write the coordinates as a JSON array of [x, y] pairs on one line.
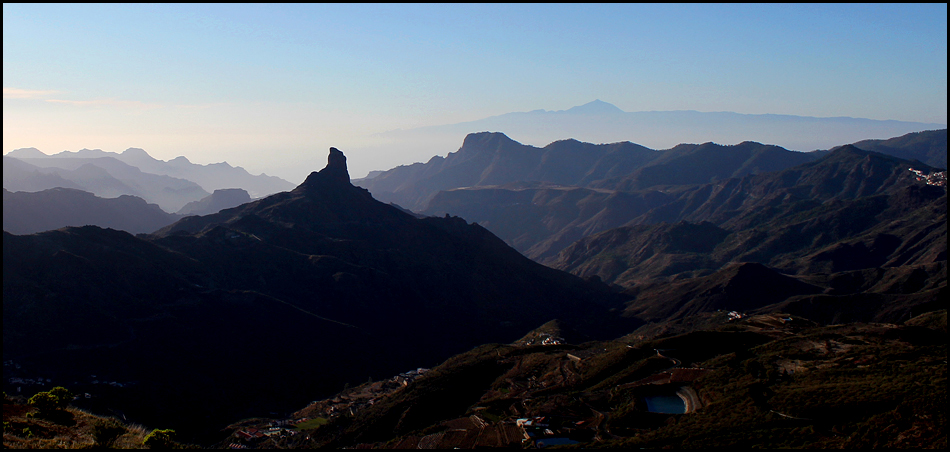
[[667, 404]]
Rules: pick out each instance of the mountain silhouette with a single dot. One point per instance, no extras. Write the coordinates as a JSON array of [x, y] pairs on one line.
[[596, 107], [270, 295]]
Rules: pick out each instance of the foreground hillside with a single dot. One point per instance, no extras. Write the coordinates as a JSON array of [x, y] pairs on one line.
[[715, 380], [71, 428]]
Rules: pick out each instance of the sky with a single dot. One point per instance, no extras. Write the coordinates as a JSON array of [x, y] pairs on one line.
[[272, 87]]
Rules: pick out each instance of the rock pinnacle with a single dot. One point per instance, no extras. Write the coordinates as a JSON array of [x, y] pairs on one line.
[[336, 166]]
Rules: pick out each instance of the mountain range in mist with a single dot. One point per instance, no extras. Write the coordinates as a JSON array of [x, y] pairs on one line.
[[27, 212], [170, 184], [130, 191], [602, 122]]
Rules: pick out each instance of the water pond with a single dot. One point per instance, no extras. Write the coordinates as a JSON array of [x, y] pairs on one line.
[[667, 404]]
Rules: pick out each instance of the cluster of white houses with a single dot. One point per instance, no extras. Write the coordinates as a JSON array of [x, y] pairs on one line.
[[938, 178]]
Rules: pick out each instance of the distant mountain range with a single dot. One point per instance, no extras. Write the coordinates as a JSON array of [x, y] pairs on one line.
[[107, 177], [31, 212], [210, 177], [602, 122]]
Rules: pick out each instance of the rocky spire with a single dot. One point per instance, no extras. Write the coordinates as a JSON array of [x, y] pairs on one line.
[[336, 166], [335, 173]]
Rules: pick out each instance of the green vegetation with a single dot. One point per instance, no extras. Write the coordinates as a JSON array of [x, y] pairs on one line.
[[51, 405], [52, 400]]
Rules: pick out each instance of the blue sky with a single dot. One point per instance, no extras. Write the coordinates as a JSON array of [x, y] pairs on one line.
[[266, 86]]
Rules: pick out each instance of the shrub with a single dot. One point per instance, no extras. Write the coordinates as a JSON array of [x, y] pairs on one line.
[[160, 439], [44, 401], [52, 400], [63, 395]]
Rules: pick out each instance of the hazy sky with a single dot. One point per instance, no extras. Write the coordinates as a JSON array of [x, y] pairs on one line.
[[263, 85]]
